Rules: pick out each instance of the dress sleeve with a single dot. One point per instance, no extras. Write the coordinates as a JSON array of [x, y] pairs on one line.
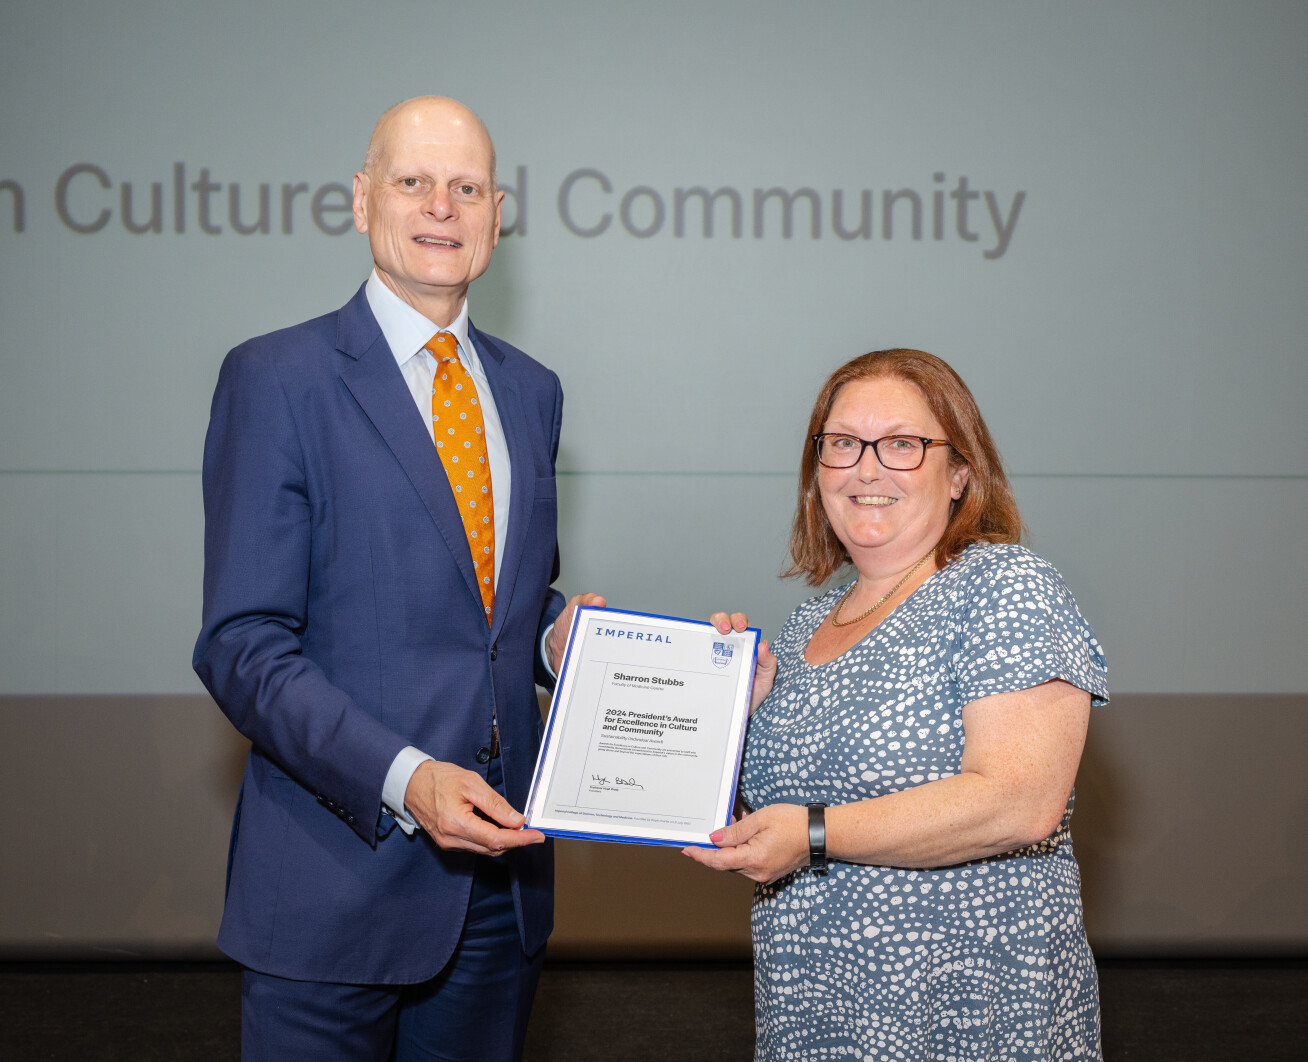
[[1016, 626]]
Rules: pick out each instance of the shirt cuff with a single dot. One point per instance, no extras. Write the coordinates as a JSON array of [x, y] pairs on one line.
[[544, 652], [397, 784]]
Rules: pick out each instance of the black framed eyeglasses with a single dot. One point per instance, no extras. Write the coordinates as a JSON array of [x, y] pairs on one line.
[[899, 453]]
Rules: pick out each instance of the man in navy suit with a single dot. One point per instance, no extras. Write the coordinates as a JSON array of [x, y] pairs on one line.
[[382, 896]]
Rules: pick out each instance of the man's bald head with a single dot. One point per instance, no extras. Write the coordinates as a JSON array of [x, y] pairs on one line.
[[427, 199], [425, 114]]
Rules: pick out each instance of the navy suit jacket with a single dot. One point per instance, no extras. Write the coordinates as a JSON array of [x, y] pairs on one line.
[[342, 622]]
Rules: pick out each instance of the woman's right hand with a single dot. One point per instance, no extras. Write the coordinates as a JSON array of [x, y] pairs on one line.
[[765, 670], [763, 846]]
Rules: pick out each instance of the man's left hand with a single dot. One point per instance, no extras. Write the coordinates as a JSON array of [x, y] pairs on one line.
[[558, 638]]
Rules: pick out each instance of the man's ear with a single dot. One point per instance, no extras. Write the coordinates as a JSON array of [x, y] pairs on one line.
[[360, 202]]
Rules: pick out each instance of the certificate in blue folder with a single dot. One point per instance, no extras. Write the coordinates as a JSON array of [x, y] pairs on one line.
[[645, 731]]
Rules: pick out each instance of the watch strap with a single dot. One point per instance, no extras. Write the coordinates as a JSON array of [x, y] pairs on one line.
[[817, 836]]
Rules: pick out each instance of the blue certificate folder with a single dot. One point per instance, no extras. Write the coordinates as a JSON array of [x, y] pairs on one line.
[[645, 731]]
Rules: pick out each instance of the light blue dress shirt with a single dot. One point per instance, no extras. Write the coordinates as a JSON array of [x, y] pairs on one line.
[[407, 332]]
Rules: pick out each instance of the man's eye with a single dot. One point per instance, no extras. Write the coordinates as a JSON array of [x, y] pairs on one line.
[[468, 189]]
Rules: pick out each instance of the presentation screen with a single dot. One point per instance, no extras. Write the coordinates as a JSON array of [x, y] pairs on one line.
[[1094, 212]]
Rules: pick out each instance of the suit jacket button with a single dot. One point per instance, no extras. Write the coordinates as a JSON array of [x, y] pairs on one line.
[[495, 651], [483, 755], [351, 820]]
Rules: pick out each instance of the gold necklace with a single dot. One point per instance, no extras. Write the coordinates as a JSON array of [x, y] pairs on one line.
[[835, 613]]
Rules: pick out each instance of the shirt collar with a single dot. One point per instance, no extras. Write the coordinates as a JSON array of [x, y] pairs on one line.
[[406, 330]]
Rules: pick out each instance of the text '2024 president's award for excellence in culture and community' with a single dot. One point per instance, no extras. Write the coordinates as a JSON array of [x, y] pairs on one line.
[[645, 731]]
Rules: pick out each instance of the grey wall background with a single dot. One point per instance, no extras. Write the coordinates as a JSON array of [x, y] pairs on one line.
[[1111, 255]]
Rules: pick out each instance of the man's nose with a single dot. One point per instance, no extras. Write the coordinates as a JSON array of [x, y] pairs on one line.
[[439, 203]]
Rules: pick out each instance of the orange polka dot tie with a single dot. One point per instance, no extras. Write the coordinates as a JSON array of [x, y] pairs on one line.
[[461, 442]]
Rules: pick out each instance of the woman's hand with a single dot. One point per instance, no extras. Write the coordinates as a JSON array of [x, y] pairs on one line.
[[765, 670], [765, 845]]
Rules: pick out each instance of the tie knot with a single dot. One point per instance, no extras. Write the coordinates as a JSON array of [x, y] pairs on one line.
[[443, 346]]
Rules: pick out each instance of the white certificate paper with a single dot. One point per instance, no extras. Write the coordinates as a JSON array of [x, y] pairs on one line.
[[646, 730]]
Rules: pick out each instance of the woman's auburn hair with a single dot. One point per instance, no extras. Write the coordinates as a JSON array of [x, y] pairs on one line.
[[986, 512]]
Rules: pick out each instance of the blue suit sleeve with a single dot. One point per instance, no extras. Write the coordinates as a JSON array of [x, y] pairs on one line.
[[257, 551], [555, 602]]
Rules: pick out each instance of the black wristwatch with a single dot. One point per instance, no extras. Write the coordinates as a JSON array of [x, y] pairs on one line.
[[817, 836]]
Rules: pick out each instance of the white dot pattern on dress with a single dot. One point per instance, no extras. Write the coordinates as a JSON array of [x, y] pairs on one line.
[[981, 961]]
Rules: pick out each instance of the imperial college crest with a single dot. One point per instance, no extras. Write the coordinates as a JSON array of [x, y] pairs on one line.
[[721, 654]]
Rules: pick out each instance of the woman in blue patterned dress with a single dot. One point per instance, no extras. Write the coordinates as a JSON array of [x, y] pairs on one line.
[[932, 714]]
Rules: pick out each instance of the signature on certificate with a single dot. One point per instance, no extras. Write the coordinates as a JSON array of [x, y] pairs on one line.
[[630, 783]]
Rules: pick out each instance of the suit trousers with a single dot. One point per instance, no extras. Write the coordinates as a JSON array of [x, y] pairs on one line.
[[476, 1008]]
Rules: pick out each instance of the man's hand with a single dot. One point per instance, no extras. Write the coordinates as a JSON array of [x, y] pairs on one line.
[[445, 801], [558, 638], [765, 845], [765, 671]]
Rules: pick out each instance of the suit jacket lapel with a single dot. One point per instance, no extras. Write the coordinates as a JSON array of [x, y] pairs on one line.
[[378, 386], [508, 403]]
